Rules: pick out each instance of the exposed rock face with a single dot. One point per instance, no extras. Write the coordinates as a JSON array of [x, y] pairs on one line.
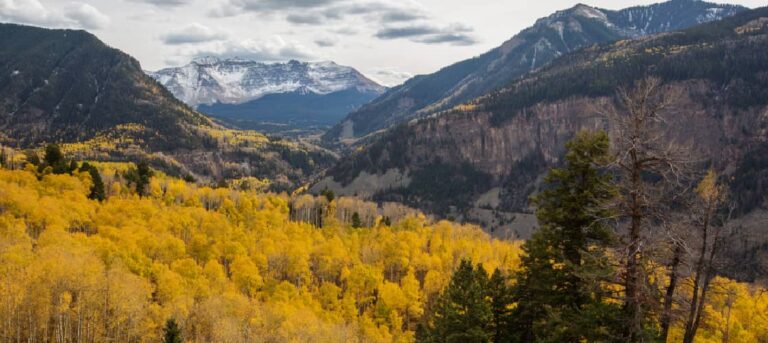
[[535, 47], [509, 138], [516, 154]]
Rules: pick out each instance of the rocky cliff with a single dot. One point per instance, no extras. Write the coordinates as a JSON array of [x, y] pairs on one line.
[[489, 153]]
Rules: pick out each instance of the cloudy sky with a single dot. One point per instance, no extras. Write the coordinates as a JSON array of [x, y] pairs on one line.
[[388, 40]]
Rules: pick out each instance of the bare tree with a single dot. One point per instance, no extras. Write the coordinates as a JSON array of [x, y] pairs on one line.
[[678, 249], [650, 166], [711, 196]]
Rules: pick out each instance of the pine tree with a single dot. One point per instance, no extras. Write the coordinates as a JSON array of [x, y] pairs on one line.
[[328, 194], [97, 189], [560, 285], [72, 167], [172, 332], [501, 300], [140, 176], [53, 155], [463, 311], [54, 158], [356, 223], [3, 158]]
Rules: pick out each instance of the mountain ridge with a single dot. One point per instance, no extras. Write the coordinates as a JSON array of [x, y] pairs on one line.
[[286, 98], [550, 37], [58, 97], [209, 80], [68, 87], [485, 157]]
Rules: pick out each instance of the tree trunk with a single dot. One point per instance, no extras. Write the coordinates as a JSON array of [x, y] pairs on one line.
[[632, 305], [666, 316]]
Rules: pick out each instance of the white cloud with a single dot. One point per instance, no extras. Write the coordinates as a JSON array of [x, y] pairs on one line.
[[389, 76], [27, 12], [87, 16], [390, 19], [165, 3], [234, 7], [274, 49], [304, 19], [72, 15], [325, 42], [455, 34], [192, 33]]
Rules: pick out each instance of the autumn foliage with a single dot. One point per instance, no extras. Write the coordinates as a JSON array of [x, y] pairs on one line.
[[225, 265]]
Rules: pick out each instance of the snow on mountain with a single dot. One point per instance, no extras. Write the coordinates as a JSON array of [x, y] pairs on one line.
[[210, 80]]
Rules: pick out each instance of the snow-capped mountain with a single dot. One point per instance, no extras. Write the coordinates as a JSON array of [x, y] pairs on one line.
[[272, 97], [210, 80]]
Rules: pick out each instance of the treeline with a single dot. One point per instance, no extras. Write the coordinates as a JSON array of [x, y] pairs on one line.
[[629, 249]]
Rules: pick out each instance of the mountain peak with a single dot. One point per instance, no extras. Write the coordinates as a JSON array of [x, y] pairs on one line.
[[209, 80], [579, 9], [550, 37], [206, 60]]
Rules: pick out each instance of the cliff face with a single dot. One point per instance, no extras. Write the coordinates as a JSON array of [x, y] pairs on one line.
[[500, 144], [516, 153]]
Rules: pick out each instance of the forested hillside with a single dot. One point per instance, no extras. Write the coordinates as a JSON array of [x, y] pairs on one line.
[[227, 265], [68, 87], [108, 251], [486, 156]]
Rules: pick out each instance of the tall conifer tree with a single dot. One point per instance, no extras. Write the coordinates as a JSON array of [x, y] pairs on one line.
[[560, 289]]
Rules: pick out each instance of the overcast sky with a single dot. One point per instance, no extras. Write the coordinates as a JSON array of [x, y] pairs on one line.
[[388, 40]]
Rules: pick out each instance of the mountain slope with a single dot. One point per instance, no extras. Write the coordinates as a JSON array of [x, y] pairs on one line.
[[249, 93], [482, 159], [65, 86], [547, 39]]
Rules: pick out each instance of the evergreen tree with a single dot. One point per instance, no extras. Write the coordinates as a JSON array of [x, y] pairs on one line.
[[559, 291], [54, 158], [328, 194], [463, 311], [140, 176], [172, 332], [356, 223], [97, 189], [3, 157], [72, 167], [53, 155], [501, 300]]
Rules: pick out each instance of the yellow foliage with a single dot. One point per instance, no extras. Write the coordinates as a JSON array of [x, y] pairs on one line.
[[229, 265], [734, 312]]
